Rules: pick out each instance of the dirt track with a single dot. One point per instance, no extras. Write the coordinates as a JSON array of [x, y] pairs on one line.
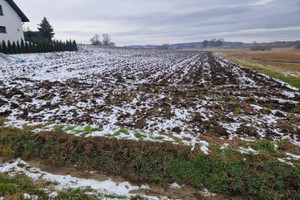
[[179, 93]]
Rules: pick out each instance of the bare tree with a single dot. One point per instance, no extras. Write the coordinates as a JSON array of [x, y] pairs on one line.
[[96, 40], [205, 43], [163, 47], [106, 39], [215, 42], [219, 42]]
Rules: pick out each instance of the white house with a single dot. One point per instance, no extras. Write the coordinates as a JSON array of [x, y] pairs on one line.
[[11, 21]]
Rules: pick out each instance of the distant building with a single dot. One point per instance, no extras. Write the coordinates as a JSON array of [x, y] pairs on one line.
[[11, 21]]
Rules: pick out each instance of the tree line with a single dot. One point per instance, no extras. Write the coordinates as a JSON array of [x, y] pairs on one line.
[[106, 40], [38, 41], [37, 45], [216, 42]]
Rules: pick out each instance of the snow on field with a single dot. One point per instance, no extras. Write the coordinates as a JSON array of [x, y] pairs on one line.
[[161, 95], [64, 182]]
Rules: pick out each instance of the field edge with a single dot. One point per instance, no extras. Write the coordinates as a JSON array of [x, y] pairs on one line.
[[224, 171]]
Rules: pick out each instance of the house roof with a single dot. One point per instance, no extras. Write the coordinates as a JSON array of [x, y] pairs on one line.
[[18, 10]]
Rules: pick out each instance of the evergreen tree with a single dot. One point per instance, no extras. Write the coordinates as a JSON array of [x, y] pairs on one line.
[[27, 48], [52, 47], [74, 46], [45, 29], [39, 47], [4, 47], [68, 46], [44, 46], [14, 47], [60, 46], [29, 35], [19, 47], [56, 46], [9, 48], [23, 50]]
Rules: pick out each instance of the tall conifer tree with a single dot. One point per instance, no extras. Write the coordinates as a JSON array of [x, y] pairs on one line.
[[45, 29]]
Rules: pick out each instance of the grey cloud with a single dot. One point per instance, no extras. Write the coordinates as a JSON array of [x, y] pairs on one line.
[[172, 21]]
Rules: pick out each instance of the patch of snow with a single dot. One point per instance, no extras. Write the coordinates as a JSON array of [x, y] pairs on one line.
[[247, 150], [204, 147], [294, 157], [53, 194], [224, 146], [206, 193], [256, 107], [26, 196], [175, 186], [288, 94]]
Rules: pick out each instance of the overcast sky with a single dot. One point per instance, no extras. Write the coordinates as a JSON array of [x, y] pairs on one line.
[[167, 21]]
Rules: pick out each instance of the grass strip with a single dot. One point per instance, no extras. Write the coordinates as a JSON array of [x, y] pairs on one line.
[[226, 172]]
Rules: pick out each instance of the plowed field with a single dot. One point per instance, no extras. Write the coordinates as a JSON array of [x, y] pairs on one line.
[[184, 94]]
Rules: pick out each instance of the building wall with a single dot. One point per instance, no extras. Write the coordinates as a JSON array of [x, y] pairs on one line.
[[12, 23]]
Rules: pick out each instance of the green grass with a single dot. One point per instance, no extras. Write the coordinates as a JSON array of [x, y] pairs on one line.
[[225, 171], [78, 193], [18, 185], [157, 137], [264, 146], [116, 134], [291, 80], [124, 131], [70, 128], [90, 129], [139, 135], [78, 131], [112, 196], [59, 128], [121, 131]]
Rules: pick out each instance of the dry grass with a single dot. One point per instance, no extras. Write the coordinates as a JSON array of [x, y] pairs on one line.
[[285, 60]]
